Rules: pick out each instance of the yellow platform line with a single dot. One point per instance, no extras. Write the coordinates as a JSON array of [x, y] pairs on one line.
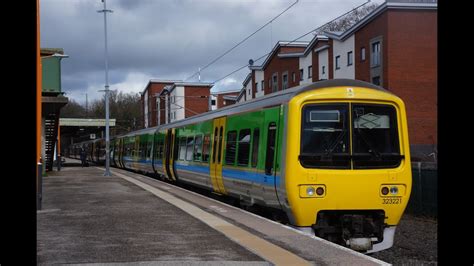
[[259, 246]]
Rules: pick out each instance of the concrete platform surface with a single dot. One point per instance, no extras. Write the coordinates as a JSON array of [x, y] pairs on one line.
[[88, 218]]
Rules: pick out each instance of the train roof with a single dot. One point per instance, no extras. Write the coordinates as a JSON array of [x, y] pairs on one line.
[[269, 100]]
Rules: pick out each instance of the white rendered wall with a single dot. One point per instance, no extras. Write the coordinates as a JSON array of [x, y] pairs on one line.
[[258, 78], [341, 48], [145, 111], [323, 61], [177, 105], [305, 62]]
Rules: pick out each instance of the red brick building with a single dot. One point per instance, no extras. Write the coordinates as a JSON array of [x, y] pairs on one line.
[[149, 100], [173, 100], [225, 98], [395, 46]]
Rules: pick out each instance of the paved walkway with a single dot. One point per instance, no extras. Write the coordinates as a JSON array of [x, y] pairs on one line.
[[128, 218]]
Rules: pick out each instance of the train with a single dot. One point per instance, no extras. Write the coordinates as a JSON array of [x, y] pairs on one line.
[[333, 156]]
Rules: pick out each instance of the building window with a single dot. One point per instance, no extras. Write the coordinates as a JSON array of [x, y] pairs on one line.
[[301, 74], [349, 58], [376, 80], [285, 81], [310, 72], [293, 77], [256, 86], [338, 64], [362, 54], [275, 82], [375, 56], [263, 84], [269, 83], [213, 102], [324, 70]]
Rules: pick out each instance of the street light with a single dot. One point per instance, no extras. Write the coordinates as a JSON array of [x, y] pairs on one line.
[[107, 139]]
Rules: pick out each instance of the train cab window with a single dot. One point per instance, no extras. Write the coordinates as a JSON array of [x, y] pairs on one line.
[[256, 139], [244, 148], [231, 146], [375, 136], [325, 136], [197, 148], [269, 161], [189, 148], [205, 148], [182, 149]]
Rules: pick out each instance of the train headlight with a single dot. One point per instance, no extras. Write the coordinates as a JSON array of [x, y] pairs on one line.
[[312, 191], [394, 190]]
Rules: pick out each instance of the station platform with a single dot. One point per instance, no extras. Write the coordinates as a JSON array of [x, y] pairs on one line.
[[89, 219]]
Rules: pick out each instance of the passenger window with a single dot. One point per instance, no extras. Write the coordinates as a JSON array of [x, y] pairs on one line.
[[189, 149], [205, 148], [231, 147], [270, 149], [182, 149], [244, 148], [197, 148], [256, 139]]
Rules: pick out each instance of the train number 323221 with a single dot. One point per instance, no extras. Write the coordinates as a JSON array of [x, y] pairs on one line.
[[392, 201]]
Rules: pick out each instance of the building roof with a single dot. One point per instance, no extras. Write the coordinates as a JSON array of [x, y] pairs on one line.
[[51, 51], [315, 41], [166, 81], [275, 49], [412, 4], [247, 79], [188, 84], [225, 92]]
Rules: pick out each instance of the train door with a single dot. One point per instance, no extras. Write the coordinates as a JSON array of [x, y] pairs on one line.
[[271, 174], [217, 155], [170, 154], [120, 152]]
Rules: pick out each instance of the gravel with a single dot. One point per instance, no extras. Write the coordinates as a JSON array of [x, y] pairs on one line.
[[416, 242]]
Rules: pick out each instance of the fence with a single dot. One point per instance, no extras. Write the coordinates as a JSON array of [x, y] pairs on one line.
[[424, 194]]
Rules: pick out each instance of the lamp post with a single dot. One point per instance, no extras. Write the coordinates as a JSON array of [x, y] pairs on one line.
[[107, 139]]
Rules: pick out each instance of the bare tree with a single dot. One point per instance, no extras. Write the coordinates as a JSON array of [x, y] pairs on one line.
[[347, 21], [73, 110], [124, 107]]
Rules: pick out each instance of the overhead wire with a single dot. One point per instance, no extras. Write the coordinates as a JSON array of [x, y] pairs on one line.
[[239, 43], [314, 30]]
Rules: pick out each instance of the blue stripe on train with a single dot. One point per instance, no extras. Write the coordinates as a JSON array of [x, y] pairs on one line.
[[233, 174], [227, 173]]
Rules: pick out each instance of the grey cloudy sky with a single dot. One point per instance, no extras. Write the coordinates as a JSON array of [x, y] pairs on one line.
[[171, 39]]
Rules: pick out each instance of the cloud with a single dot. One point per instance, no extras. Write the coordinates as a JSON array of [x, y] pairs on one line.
[[171, 39]]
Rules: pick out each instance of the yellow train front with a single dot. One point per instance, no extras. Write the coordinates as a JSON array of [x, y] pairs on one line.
[[346, 166]]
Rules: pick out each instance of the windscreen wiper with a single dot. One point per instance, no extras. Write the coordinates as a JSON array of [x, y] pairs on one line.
[[371, 150]]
